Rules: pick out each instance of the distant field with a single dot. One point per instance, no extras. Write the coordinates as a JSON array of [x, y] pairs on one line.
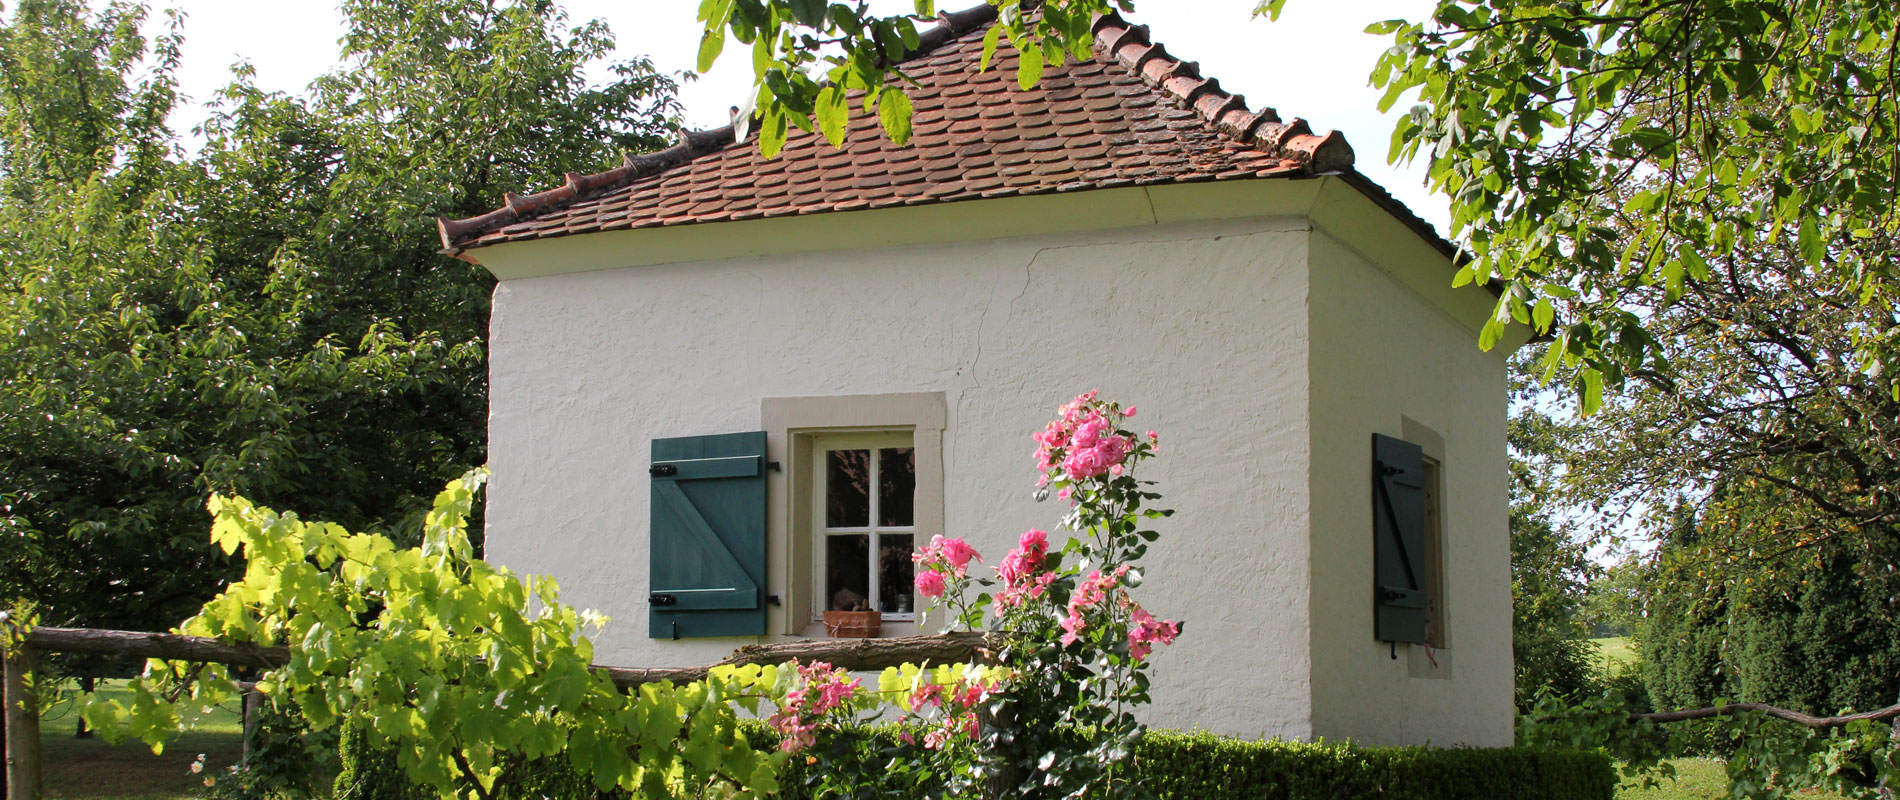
[[90, 769], [1615, 653]]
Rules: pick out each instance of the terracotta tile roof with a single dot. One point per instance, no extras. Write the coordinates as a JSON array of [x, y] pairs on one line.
[[1132, 115]]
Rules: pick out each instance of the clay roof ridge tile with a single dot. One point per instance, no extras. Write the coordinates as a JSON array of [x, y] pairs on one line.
[[1204, 112], [1131, 45], [692, 144]]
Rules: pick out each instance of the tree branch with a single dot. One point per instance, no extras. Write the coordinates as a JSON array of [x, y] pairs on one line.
[[1796, 717]]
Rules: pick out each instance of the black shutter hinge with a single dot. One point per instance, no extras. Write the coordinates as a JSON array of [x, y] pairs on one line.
[[772, 599], [773, 466], [660, 599], [663, 470]]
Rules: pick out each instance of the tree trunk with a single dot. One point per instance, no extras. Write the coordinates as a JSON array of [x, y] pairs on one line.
[[23, 727], [248, 704]]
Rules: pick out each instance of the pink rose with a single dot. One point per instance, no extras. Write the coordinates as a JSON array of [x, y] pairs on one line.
[[1034, 541], [1147, 630], [959, 553], [1089, 432], [1072, 627], [926, 695], [929, 584]]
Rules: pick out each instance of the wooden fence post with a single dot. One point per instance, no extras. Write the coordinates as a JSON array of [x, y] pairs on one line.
[[250, 703], [23, 727]]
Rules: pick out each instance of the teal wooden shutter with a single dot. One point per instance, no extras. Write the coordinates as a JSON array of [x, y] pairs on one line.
[[1400, 596], [708, 537]]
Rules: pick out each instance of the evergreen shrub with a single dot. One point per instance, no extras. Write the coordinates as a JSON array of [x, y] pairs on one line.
[[1821, 639], [1170, 765]]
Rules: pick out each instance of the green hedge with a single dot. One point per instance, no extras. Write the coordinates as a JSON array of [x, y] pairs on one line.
[[1183, 765], [1173, 766]]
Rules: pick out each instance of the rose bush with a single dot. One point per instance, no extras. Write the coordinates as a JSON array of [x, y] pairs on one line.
[[1072, 642], [1055, 715]]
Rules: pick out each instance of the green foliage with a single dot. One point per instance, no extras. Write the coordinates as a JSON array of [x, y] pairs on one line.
[[374, 773], [1548, 640], [284, 758], [1550, 571], [1769, 758], [1595, 151], [265, 315], [1820, 638], [1181, 765], [1682, 647], [800, 80], [1613, 603], [808, 54], [1200, 766], [1072, 641], [460, 667]]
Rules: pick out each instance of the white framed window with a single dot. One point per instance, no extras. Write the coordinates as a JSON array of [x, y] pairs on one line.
[[798, 431], [864, 523]]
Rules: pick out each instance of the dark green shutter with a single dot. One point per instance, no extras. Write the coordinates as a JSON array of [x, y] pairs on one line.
[[1400, 596], [707, 575]]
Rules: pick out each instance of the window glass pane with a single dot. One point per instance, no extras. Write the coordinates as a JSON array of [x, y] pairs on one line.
[[847, 572], [847, 488], [897, 486], [895, 573]]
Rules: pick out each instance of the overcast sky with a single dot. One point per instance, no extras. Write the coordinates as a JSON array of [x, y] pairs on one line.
[[1312, 63]]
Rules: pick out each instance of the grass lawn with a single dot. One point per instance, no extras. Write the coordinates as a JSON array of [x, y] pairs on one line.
[[1697, 779], [90, 769], [1614, 653]]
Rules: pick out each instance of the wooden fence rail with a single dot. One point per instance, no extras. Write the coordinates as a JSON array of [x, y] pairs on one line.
[[23, 774]]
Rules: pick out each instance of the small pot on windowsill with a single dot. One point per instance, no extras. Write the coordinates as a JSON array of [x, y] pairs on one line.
[[853, 624]]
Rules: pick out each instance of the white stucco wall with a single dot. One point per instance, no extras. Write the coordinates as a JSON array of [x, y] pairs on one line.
[[1203, 325], [1382, 353]]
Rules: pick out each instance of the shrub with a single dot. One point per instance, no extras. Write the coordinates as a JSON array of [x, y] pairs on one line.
[[1832, 644], [1170, 765], [1820, 638], [1682, 644], [371, 773], [1200, 765]]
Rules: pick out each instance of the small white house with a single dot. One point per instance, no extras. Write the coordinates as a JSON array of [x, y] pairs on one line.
[[729, 394]]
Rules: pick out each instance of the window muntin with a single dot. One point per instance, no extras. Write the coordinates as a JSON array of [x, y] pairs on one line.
[[864, 509]]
